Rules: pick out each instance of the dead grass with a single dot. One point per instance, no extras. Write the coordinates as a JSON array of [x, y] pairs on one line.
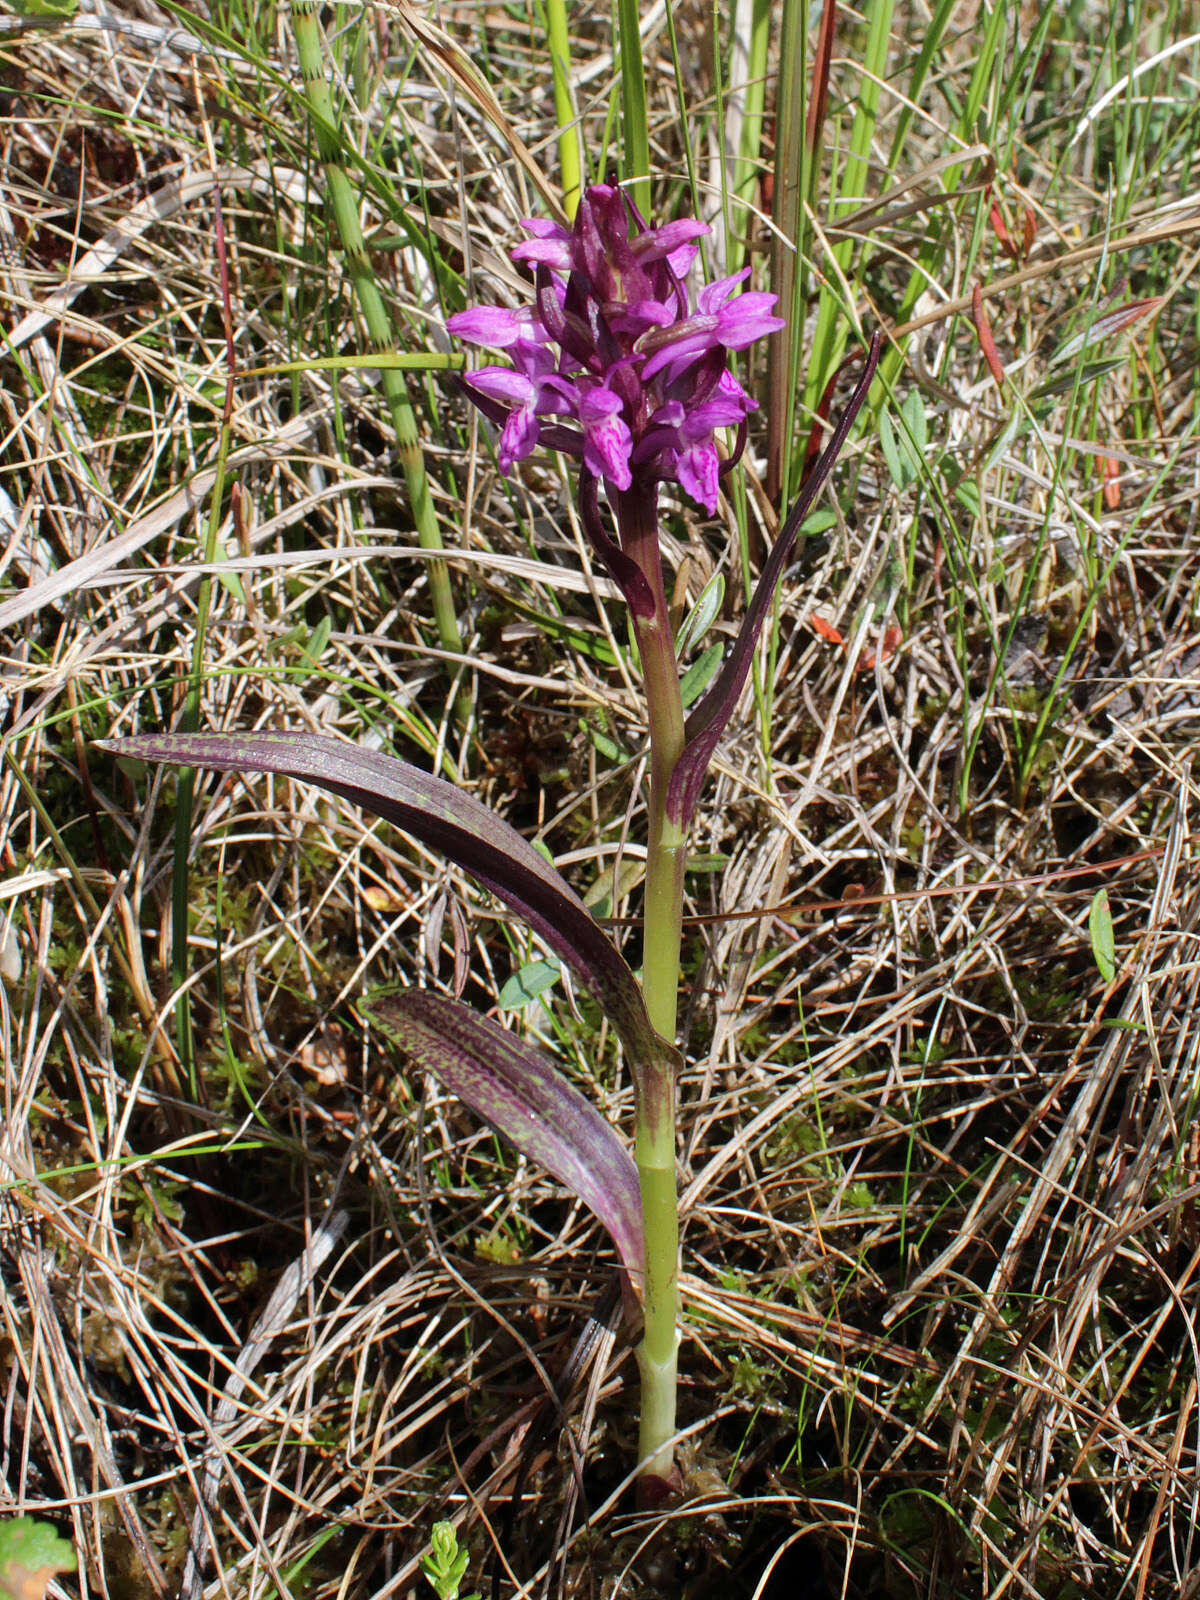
[[939, 1176]]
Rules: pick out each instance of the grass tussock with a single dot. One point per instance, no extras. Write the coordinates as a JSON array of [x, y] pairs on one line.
[[269, 1309]]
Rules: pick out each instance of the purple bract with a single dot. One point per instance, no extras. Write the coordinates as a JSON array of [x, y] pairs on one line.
[[614, 346]]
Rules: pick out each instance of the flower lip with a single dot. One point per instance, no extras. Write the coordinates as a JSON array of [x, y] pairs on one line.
[[607, 441]]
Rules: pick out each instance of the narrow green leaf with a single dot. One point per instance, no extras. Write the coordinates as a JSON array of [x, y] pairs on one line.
[[917, 438], [890, 445], [314, 648], [608, 748], [700, 674], [967, 495], [529, 981], [1067, 382], [817, 522], [1100, 928], [702, 615], [635, 123], [231, 582]]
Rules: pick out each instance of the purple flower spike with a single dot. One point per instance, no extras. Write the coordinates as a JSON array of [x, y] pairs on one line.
[[615, 344]]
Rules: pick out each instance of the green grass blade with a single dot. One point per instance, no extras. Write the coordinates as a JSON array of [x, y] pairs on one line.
[[788, 243], [558, 37], [832, 325], [344, 204], [635, 127]]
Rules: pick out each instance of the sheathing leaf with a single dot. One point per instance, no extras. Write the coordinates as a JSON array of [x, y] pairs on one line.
[[448, 820], [519, 1090]]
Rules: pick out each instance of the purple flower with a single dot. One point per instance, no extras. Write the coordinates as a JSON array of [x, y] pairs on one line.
[[684, 439], [607, 441], [531, 388], [716, 326], [615, 344]]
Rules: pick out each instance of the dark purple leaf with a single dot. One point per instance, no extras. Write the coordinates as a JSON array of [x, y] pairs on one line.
[[448, 820], [706, 724], [622, 569], [522, 1094]]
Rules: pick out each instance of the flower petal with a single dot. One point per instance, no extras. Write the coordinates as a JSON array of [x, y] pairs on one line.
[[698, 470], [517, 438], [714, 295], [546, 252], [731, 389], [716, 413], [682, 353], [746, 319], [682, 261], [634, 320], [664, 241], [495, 326], [504, 383], [607, 440], [669, 415]]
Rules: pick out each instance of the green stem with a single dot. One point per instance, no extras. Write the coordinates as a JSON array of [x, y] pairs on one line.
[[666, 847], [657, 1355], [344, 202], [637, 518]]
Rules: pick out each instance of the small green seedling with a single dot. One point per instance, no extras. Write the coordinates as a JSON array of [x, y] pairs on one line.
[[31, 1553], [445, 1566]]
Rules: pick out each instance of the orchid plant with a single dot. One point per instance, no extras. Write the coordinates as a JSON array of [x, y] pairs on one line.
[[615, 365]]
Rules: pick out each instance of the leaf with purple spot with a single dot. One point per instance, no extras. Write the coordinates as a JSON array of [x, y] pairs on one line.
[[519, 1091]]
